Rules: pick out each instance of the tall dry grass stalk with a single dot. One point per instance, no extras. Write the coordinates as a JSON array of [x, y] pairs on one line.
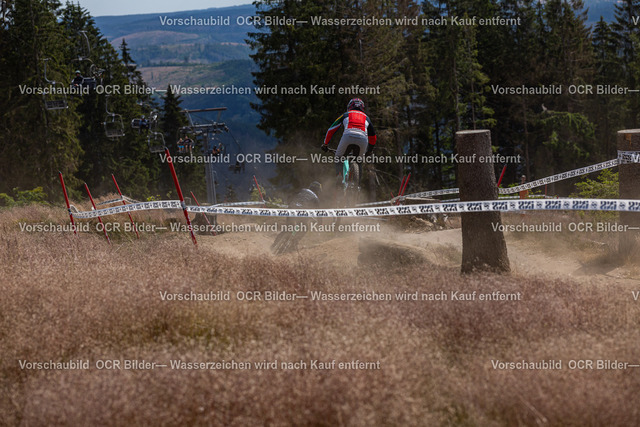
[[65, 298]]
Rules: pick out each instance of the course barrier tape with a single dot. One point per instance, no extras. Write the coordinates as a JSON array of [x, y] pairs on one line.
[[252, 203], [389, 202], [370, 209], [132, 201], [430, 193], [385, 202], [623, 157], [108, 202], [533, 196], [560, 177], [431, 208]]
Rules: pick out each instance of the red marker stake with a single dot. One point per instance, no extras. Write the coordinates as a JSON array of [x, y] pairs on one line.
[[213, 232], [406, 183], [179, 190], [400, 189], [259, 191], [104, 229], [124, 203], [401, 185], [66, 199], [504, 169]]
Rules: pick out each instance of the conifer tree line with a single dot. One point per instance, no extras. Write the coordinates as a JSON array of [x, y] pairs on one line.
[[434, 80], [437, 79], [36, 143]]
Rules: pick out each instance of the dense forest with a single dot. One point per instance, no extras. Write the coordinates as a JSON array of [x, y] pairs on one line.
[[42, 44], [433, 80], [437, 79]]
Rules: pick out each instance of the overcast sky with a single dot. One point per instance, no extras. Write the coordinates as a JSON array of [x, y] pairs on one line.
[[128, 7]]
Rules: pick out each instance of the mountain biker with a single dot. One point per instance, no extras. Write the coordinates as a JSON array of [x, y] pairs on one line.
[[307, 198], [358, 131], [78, 79]]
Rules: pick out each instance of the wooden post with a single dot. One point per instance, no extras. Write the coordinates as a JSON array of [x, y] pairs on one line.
[[629, 184], [483, 249]]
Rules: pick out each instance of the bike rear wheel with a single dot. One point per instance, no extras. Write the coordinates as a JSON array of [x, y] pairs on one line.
[[352, 190]]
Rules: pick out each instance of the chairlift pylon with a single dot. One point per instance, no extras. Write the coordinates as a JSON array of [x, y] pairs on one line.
[[205, 133]]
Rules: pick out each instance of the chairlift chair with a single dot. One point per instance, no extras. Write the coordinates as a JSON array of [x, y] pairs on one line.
[[53, 101], [141, 123], [89, 82], [155, 140], [147, 122], [94, 72], [113, 124]]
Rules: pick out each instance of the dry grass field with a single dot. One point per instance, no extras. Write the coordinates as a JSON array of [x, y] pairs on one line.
[[64, 298]]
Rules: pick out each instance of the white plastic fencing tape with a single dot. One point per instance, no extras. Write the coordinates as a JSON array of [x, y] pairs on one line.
[[624, 157], [133, 207], [560, 177], [431, 193], [628, 157], [389, 202], [119, 200], [529, 185], [254, 203], [432, 208], [533, 196], [132, 201], [108, 202]]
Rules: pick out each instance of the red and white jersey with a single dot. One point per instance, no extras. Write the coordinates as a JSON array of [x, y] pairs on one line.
[[354, 122]]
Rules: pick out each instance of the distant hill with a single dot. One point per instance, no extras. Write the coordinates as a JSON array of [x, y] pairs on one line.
[[159, 39], [119, 26], [597, 8]]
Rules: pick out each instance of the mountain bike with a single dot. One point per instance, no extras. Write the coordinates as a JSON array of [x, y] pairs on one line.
[[350, 177], [287, 241]]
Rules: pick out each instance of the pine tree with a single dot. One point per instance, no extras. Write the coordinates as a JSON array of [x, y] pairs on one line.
[[172, 118], [514, 61], [191, 174], [625, 27], [608, 71], [128, 156], [134, 76], [567, 136], [34, 143]]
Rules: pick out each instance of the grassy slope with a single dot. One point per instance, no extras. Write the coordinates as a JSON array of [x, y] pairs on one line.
[[65, 298]]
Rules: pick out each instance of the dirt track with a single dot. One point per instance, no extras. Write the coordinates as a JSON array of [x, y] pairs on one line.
[[443, 247]]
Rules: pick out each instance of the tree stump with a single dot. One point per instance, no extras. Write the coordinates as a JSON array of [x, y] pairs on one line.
[[483, 249], [629, 185]]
